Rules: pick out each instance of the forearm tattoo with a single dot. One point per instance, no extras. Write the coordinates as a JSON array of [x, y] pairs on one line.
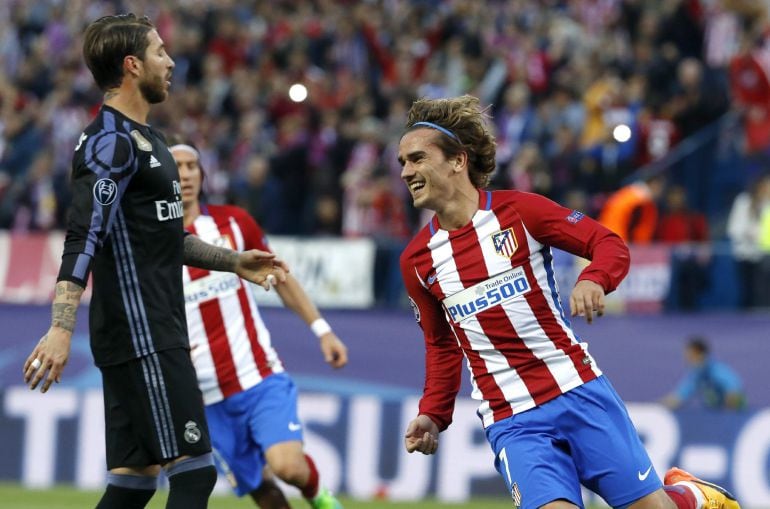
[[206, 256], [65, 305]]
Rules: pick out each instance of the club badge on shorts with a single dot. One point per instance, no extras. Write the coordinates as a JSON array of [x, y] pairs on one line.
[[191, 432]]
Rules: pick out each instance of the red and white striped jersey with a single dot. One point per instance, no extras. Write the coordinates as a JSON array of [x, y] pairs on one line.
[[487, 291], [230, 345]]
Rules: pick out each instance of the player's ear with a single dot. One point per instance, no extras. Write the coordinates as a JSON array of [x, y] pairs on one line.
[[132, 65], [460, 161]]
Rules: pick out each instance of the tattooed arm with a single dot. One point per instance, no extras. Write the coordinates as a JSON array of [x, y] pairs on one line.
[[208, 256], [53, 349], [254, 265]]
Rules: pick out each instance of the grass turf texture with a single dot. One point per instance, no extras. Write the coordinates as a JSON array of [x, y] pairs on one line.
[[13, 496]]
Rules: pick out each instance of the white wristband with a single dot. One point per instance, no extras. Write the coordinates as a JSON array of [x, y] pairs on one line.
[[320, 327]]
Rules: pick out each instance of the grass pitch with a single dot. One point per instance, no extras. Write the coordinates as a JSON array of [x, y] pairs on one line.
[[13, 496]]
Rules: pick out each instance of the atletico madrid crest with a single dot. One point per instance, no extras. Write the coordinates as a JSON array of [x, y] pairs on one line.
[[505, 242]]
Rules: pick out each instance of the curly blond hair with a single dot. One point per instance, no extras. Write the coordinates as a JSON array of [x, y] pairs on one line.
[[464, 118]]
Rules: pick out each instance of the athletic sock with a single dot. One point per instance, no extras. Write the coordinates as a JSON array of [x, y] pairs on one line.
[[310, 490], [190, 482], [270, 496], [700, 499], [126, 491], [683, 496]]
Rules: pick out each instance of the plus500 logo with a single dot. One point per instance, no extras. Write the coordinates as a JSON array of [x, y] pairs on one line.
[[486, 294], [211, 287]]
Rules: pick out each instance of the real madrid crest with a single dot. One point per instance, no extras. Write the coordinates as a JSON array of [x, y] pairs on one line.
[[191, 432], [505, 242]]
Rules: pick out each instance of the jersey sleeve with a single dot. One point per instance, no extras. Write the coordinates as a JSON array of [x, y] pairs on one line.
[[576, 233], [100, 174], [443, 356]]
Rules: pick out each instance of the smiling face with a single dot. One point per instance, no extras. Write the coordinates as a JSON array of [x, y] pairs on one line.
[[156, 78], [189, 175], [429, 175]]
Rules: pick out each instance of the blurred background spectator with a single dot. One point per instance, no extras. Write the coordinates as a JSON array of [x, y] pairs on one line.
[[708, 383], [744, 227], [589, 97]]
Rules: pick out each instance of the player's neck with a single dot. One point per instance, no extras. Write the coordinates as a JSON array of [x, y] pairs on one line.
[[459, 210], [130, 102], [191, 213]]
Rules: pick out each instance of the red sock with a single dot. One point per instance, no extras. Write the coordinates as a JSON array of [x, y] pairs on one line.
[[682, 497], [311, 487]]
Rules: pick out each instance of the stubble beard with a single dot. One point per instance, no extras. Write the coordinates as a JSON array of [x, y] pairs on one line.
[[154, 92]]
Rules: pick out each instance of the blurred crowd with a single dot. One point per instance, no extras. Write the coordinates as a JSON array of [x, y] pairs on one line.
[[582, 94]]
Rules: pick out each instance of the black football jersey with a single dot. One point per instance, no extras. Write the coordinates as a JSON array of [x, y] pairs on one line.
[[125, 227]]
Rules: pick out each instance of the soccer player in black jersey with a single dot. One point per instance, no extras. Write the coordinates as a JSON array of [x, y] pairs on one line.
[[125, 229]]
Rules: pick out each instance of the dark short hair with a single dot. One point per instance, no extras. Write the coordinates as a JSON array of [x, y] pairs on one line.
[[109, 40], [699, 344], [463, 117]]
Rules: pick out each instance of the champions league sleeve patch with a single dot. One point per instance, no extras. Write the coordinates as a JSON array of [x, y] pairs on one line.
[[575, 216]]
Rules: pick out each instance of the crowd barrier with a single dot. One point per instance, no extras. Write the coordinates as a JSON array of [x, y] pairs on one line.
[[362, 273]]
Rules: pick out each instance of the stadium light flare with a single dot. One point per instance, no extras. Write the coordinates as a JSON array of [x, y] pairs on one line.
[[298, 92], [621, 133]]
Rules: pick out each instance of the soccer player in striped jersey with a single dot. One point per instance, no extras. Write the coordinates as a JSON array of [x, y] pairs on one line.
[[125, 223], [251, 402], [480, 279]]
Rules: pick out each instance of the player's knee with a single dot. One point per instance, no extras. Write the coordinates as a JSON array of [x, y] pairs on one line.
[[292, 469]]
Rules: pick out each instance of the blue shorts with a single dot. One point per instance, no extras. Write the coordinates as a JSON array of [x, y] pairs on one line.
[[584, 436], [245, 425]]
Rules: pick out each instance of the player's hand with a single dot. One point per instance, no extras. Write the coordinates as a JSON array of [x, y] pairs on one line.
[[334, 350], [587, 298], [421, 435], [261, 267], [50, 355]]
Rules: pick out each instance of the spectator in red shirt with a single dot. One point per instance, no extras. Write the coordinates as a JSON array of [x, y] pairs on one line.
[[687, 231], [750, 86], [678, 223]]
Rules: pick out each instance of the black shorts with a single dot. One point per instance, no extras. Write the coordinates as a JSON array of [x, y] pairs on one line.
[[153, 410]]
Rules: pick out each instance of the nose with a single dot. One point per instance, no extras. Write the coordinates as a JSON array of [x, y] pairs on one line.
[[407, 171]]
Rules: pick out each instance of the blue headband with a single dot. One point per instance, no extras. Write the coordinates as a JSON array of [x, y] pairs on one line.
[[439, 128]]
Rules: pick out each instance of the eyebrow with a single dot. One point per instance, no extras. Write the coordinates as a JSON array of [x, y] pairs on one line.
[[411, 156]]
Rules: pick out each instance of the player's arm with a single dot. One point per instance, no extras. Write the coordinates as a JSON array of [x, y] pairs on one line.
[[52, 351], [99, 178], [571, 231], [253, 265], [294, 297], [443, 367]]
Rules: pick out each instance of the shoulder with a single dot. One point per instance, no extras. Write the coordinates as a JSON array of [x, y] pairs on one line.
[[518, 199], [418, 244], [239, 215], [232, 211]]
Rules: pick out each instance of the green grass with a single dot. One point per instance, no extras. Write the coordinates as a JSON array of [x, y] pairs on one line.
[[13, 496]]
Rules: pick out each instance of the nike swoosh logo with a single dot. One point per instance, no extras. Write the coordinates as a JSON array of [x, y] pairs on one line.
[[293, 426], [432, 279], [643, 476]]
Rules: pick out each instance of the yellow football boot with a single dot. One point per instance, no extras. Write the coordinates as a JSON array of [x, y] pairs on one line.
[[715, 496]]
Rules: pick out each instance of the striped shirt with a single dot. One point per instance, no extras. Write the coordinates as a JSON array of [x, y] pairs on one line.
[[231, 347], [487, 292], [125, 227]]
